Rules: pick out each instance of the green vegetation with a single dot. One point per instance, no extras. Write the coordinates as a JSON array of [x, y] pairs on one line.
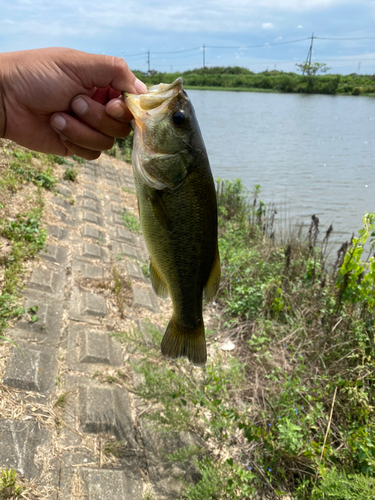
[[131, 222], [292, 412], [9, 488], [21, 233], [236, 78], [70, 174], [123, 147]]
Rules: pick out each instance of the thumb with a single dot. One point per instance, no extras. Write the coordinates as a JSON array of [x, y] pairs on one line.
[[102, 71]]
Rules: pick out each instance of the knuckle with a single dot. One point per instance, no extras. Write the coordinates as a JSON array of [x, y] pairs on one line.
[[120, 63]]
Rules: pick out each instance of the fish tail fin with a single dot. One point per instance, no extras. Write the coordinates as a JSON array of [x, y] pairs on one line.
[[185, 342]]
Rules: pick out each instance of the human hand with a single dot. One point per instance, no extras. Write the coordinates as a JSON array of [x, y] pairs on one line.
[[63, 101]]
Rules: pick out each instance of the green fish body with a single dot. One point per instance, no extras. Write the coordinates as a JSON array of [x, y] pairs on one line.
[[178, 212]]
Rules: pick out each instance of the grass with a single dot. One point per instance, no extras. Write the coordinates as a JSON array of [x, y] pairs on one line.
[[122, 291], [231, 89], [131, 222], [9, 487], [24, 175], [290, 410], [70, 174]]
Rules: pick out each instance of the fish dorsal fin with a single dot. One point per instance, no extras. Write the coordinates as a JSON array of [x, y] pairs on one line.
[[213, 281], [158, 283]]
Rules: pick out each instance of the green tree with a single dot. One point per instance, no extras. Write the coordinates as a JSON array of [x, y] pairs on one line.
[[311, 69]]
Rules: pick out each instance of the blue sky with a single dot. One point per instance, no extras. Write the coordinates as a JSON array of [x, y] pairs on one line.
[[129, 27]]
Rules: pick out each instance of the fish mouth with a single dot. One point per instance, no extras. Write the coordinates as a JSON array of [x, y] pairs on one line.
[[153, 105], [154, 102]]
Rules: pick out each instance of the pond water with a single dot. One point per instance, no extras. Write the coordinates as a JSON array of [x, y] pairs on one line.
[[311, 154]]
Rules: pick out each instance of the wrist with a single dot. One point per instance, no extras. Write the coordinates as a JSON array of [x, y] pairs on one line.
[[2, 111], [2, 95]]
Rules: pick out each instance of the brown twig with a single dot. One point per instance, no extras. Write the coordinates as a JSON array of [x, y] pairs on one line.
[[327, 431]]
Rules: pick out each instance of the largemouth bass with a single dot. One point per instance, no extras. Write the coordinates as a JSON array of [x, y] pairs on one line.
[[178, 212]]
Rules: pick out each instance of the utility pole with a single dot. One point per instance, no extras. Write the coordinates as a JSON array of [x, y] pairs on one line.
[[204, 56], [308, 58], [148, 60]]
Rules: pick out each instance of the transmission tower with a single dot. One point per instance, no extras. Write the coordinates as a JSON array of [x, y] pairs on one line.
[[308, 58]]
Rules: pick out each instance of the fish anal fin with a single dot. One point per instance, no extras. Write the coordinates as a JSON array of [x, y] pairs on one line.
[[158, 283], [213, 281], [185, 342]]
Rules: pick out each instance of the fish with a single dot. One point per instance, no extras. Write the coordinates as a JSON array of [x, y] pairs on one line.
[[178, 212]]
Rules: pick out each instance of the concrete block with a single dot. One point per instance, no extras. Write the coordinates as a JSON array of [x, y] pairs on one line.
[[65, 190], [65, 219], [145, 298], [58, 232], [61, 202], [90, 178], [55, 254], [47, 281], [93, 304], [115, 198], [33, 370], [122, 249], [93, 233], [134, 270], [104, 484], [19, 442], [88, 348], [91, 206], [107, 409], [48, 327], [92, 272], [87, 307], [90, 217], [95, 252], [141, 244], [117, 219], [167, 478], [91, 195], [117, 209], [123, 235]]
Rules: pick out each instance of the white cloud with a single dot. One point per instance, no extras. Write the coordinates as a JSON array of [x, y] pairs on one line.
[[300, 26], [267, 26]]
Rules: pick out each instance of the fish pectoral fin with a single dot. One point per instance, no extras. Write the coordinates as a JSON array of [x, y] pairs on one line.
[[185, 342], [158, 283], [160, 210], [213, 281]]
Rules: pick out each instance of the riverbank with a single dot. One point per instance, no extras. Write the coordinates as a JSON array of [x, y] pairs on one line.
[[283, 408], [270, 81], [285, 403]]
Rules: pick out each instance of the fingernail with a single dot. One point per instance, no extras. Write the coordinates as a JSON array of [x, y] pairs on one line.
[[116, 110], [140, 87], [79, 106], [59, 122]]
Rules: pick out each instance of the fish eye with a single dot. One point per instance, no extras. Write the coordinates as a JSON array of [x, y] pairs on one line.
[[178, 118]]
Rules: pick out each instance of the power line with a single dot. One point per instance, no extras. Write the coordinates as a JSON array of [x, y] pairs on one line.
[[133, 55], [178, 51], [244, 47], [354, 38]]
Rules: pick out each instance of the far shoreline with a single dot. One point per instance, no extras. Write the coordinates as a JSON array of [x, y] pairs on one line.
[[269, 91]]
